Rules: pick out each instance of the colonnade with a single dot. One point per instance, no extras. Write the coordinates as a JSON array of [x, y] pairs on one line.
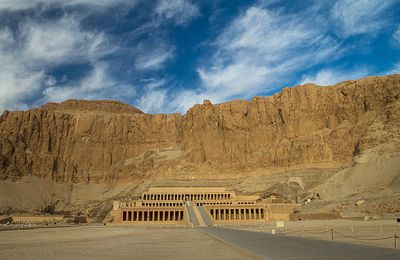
[[187, 196], [163, 204], [152, 215], [237, 214], [213, 203]]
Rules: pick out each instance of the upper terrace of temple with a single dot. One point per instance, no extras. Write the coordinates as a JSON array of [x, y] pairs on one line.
[[197, 194]]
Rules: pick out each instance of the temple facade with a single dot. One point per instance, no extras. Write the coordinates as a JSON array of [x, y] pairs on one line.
[[198, 206]]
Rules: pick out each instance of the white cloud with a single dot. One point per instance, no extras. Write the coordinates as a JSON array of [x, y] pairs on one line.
[[154, 58], [16, 80], [61, 41], [396, 37], [96, 85], [262, 47], [362, 16], [153, 101], [187, 98], [394, 69], [17, 83], [326, 77], [181, 12], [238, 76], [24, 62], [16, 5], [152, 83]]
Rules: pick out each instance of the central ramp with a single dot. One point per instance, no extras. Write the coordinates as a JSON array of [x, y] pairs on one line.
[[189, 206], [198, 215], [207, 218]]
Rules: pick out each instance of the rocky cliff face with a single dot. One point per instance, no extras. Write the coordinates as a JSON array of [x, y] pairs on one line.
[[107, 141]]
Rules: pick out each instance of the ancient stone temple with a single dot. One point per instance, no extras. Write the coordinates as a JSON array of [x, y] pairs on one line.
[[198, 206]]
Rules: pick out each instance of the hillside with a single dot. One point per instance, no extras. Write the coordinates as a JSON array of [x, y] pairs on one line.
[[111, 147]]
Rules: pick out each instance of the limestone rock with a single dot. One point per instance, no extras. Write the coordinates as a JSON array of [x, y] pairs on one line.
[[108, 141]]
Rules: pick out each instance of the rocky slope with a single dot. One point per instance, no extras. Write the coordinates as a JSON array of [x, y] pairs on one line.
[[107, 141]]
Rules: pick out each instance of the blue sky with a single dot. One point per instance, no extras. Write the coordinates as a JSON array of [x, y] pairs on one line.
[[165, 56]]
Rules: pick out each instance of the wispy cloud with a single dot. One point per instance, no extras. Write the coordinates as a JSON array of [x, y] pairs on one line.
[[17, 83], [28, 53], [181, 12], [96, 85], [360, 17], [152, 83], [155, 97], [53, 49], [396, 37], [260, 48], [326, 77], [153, 101], [154, 57], [61, 41], [17, 5], [16, 80]]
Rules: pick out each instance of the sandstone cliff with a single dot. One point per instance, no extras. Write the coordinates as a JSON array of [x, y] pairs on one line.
[[107, 141]]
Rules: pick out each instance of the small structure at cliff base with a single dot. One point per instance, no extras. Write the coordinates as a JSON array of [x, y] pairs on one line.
[[198, 206]]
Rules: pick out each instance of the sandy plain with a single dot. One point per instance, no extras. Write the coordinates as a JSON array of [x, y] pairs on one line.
[[98, 242], [372, 233]]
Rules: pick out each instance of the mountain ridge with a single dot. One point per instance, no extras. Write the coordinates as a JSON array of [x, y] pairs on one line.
[[106, 141]]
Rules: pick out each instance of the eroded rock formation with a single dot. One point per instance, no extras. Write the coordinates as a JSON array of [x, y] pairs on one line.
[[108, 141]]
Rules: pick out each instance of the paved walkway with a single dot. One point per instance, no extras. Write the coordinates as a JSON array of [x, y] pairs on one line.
[[284, 247]]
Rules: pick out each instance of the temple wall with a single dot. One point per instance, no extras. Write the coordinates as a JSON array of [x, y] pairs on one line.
[[36, 219]]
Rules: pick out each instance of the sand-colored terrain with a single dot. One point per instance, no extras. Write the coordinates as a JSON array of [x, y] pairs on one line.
[[97, 242], [372, 233]]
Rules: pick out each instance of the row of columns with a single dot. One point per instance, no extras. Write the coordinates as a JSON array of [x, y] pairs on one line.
[[213, 203], [163, 204], [152, 215], [190, 196], [237, 214]]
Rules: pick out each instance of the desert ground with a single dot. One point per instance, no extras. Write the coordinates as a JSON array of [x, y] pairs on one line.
[[178, 242], [372, 233], [99, 242]]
